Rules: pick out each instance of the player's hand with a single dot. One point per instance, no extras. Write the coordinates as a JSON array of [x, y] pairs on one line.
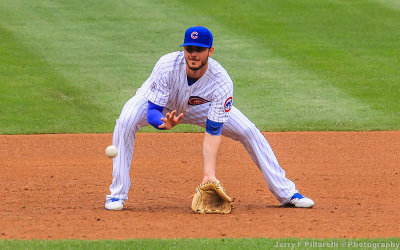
[[209, 179], [170, 120]]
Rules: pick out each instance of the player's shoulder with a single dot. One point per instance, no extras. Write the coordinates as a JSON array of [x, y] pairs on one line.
[[217, 72], [173, 58], [169, 63]]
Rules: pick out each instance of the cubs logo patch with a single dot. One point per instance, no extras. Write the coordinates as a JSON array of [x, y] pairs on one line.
[[153, 86], [228, 104], [194, 35], [196, 100]]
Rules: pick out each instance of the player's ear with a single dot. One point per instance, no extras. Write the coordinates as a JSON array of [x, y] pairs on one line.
[[211, 51]]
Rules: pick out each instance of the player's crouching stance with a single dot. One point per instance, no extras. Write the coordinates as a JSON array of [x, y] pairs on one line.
[[190, 87]]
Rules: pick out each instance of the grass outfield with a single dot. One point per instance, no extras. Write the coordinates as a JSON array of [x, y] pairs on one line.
[[69, 66], [258, 243]]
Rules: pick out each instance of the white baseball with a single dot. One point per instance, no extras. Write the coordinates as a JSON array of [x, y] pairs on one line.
[[111, 151]]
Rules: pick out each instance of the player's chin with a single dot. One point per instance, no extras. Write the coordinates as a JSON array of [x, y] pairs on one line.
[[195, 67]]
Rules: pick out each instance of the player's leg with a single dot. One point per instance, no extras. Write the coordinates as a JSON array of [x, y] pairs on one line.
[[240, 128], [131, 119]]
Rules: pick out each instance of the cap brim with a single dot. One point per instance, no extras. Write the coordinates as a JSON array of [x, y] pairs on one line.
[[195, 44]]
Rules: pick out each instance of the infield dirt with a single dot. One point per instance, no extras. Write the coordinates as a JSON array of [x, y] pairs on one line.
[[54, 187]]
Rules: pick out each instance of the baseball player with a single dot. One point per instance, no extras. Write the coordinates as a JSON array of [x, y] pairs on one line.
[[192, 88]]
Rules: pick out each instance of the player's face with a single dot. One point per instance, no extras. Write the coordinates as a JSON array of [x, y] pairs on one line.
[[197, 57]]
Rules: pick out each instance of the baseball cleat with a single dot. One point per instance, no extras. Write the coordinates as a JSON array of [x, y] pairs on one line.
[[299, 200], [114, 204]]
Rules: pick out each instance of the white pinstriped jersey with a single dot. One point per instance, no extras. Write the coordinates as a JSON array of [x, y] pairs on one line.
[[168, 87]]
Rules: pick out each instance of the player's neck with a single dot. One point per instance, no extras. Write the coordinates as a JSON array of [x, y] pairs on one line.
[[196, 74]]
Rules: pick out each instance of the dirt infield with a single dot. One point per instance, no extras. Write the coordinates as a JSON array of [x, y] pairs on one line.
[[54, 187]]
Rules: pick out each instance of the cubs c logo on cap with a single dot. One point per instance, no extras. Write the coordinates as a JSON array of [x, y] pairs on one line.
[[194, 35], [198, 36]]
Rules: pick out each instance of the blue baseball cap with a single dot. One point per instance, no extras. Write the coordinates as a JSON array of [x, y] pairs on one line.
[[198, 36]]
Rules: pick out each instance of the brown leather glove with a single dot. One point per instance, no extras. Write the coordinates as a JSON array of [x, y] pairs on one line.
[[211, 198]]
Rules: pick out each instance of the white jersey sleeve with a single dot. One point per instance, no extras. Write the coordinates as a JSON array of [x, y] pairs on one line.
[[159, 89], [221, 102]]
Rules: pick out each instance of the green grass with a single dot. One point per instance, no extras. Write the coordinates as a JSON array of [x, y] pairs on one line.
[[314, 65], [257, 243], [69, 66]]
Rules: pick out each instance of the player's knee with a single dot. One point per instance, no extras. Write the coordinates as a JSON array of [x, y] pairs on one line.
[[243, 131], [248, 129], [125, 122]]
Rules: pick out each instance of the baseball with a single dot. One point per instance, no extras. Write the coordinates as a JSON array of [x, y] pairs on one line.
[[111, 151]]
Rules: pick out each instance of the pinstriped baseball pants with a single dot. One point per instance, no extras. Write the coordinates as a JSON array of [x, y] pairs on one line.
[[239, 127]]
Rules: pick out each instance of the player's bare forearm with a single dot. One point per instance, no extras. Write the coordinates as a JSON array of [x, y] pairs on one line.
[[211, 145]]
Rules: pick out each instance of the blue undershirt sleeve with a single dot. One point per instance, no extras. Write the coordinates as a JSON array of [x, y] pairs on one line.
[[154, 115], [214, 128]]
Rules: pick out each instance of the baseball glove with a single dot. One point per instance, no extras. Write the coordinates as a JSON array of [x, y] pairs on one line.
[[211, 198]]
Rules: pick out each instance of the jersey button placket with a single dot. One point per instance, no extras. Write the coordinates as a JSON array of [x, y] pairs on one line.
[[187, 96]]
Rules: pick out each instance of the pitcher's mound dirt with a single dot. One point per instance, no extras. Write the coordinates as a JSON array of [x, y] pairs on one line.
[[54, 187]]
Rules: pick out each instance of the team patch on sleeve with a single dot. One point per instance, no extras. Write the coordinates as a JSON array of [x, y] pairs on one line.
[[153, 86], [196, 100], [228, 104]]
